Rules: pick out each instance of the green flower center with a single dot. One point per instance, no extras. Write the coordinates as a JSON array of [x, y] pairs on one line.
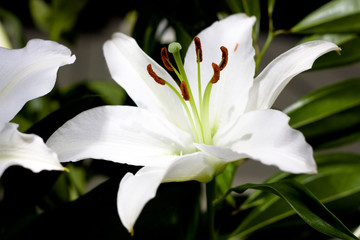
[[198, 116]]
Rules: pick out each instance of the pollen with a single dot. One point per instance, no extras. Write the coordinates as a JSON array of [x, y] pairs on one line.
[[184, 91], [198, 49], [216, 75], [165, 59], [236, 47], [155, 76], [224, 57]]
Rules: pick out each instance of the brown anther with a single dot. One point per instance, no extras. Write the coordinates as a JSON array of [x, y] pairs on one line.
[[154, 75], [184, 91], [236, 47], [165, 59], [216, 75], [198, 49], [224, 57]]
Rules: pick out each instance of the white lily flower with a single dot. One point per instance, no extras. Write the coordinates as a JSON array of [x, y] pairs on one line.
[[26, 74], [218, 115]]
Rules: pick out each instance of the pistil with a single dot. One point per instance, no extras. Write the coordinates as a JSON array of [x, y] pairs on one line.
[[182, 100], [199, 119], [199, 58], [175, 48], [205, 117]]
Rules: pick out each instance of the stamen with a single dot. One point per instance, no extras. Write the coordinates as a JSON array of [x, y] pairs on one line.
[[184, 91], [216, 75], [155, 76], [198, 49], [165, 59], [224, 57], [236, 47]]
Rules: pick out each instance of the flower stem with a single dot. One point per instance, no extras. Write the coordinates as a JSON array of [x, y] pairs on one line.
[[269, 39], [210, 196]]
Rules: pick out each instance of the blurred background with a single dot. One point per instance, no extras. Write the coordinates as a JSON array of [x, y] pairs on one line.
[[84, 26]]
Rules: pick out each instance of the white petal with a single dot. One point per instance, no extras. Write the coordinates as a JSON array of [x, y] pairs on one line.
[[196, 166], [122, 134], [224, 154], [265, 135], [128, 67], [29, 73], [26, 150], [137, 190], [272, 80], [229, 95]]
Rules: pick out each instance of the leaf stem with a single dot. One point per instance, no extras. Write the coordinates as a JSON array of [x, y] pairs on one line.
[[268, 41], [270, 37], [210, 196]]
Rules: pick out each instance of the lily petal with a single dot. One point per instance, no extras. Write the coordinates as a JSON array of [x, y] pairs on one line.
[[223, 154], [272, 80], [128, 67], [228, 96], [266, 136], [137, 190], [196, 166], [121, 134], [26, 150], [29, 73]]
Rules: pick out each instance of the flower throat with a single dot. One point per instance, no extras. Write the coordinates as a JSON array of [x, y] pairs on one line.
[[198, 117]]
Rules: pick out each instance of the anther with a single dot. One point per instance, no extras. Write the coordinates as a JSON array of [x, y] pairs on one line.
[[224, 57], [236, 47], [216, 75], [165, 59], [198, 49], [184, 91], [154, 75]]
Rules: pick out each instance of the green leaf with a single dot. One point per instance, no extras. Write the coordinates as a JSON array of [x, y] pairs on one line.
[[324, 102], [41, 13], [329, 116], [173, 212], [56, 18], [271, 5], [53, 121], [306, 205], [337, 185], [337, 130], [95, 216], [337, 38], [224, 181], [145, 31], [349, 54], [12, 26], [337, 16], [110, 92]]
